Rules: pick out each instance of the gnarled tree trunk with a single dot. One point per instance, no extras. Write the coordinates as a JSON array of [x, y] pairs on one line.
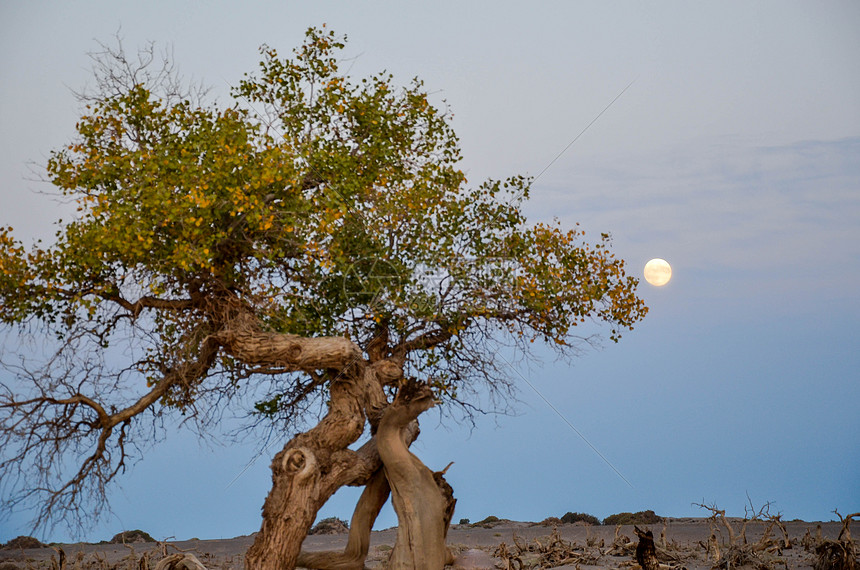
[[315, 464], [301, 474], [372, 499], [423, 510]]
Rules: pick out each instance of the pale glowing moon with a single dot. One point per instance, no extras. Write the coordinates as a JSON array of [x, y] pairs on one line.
[[658, 272]]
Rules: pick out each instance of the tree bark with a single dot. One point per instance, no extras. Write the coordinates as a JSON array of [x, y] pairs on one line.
[[302, 472], [245, 340], [422, 510]]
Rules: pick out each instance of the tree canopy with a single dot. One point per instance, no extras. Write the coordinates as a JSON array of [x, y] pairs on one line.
[[315, 227]]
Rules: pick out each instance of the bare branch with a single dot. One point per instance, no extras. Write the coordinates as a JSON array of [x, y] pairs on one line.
[[116, 72], [43, 429], [149, 302]]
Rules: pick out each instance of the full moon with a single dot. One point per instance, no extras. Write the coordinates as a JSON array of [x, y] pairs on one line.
[[658, 272]]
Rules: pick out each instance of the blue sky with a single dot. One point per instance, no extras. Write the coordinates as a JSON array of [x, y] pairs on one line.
[[734, 155]]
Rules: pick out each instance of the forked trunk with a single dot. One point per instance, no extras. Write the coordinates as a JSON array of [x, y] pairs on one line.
[[315, 464], [372, 499]]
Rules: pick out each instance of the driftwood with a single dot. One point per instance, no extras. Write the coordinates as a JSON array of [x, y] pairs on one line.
[[181, 561], [713, 548], [839, 554], [61, 564], [764, 554], [553, 551], [621, 544], [546, 552], [511, 560]]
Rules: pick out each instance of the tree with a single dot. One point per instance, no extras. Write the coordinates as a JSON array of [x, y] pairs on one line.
[[314, 242]]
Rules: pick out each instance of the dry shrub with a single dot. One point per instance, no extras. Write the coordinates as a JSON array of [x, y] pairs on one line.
[[573, 518], [641, 517], [23, 543], [489, 522], [549, 521], [131, 537], [331, 525]]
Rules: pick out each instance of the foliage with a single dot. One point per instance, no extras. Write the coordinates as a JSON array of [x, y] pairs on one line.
[[339, 210], [571, 518], [314, 205], [641, 517]]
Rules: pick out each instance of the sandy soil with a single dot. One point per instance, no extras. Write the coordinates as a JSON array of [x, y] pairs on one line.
[[475, 546]]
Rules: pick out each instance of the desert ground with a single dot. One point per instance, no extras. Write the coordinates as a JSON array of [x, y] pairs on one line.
[[681, 543]]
